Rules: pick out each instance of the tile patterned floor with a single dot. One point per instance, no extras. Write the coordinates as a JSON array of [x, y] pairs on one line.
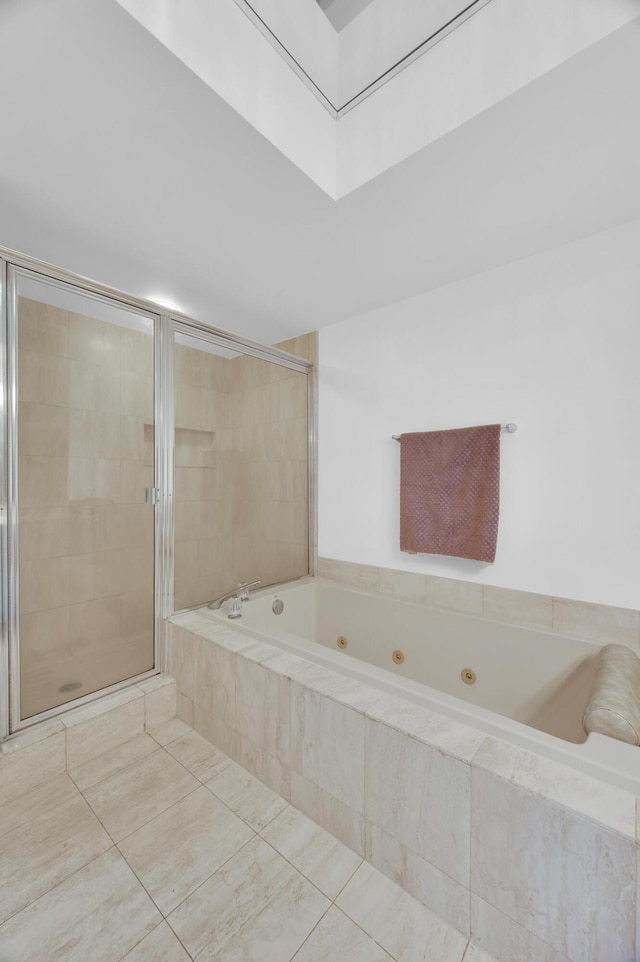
[[164, 850]]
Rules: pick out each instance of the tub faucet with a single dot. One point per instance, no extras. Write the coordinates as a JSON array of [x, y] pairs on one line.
[[238, 594]]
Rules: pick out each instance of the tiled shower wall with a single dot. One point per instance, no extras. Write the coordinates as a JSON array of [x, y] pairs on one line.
[[241, 471], [203, 475], [85, 534]]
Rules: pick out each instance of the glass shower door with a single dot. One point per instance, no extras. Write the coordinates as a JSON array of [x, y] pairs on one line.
[[81, 524]]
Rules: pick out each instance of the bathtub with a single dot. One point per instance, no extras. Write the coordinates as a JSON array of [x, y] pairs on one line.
[[522, 685]]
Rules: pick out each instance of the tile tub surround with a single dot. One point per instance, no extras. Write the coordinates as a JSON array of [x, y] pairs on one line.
[[434, 805], [214, 865], [604, 624]]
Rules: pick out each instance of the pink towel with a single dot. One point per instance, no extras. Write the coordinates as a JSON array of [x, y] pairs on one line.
[[450, 492]]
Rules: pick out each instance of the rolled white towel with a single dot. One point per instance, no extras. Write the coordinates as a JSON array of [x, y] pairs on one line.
[[613, 707]]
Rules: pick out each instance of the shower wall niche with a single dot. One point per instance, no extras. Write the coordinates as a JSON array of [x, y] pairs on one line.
[[241, 462]]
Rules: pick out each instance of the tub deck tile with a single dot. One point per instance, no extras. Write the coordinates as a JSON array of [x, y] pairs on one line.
[[589, 797]]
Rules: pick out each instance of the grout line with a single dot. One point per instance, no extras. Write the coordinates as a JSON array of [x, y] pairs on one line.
[[132, 947], [208, 878], [117, 771], [57, 885]]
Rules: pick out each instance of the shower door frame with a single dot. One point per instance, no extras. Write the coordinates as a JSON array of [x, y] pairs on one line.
[[15, 267], [180, 324], [166, 325]]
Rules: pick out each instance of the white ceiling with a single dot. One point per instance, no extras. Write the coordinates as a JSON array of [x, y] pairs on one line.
[[118, 163]]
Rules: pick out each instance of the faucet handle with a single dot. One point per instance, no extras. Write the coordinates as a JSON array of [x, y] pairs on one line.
[[235, 607], [244, 589]]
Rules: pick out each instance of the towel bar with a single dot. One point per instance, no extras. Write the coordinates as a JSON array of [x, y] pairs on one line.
[[510, 428]]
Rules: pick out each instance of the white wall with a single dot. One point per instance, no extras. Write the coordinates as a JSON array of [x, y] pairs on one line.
[[552, 343]]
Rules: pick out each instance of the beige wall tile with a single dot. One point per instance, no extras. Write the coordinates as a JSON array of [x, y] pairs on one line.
[[136, 611], [42, 328], [44, 583], [450, 593], [138, 527], [94, 434], [94, 528], [94, 481], [190, 365], [136, 571], [403, 584], [350, 573], [95, 575], [94, 387], [187, 525], [188, 484], [136, 352], [42, 481], [132, 438], [94, 624], [137, 395], [601, 623], [43, 378], [134, 478], [43, 633], [519, 607], [44, 532], [43, 430], [93, 341], [188, 407]]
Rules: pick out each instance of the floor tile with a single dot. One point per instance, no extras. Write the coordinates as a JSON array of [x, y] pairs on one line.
[[25, 763], [45, 851], [199, 756], [161, 945], [96, 915], [313, 851], [264, 909], [247, 796], [177, 851], [399, 923], [337, 937], [113, 761], [169, 731], [129, 799], [475, 954], [40, 800]]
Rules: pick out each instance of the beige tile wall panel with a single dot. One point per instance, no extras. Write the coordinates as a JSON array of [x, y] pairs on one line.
[[241, 481], [86, 536]]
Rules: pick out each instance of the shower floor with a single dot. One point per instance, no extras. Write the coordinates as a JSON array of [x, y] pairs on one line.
[[164, 850]]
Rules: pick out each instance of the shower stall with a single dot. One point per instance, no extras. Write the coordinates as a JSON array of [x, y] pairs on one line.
[[150, 463]]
